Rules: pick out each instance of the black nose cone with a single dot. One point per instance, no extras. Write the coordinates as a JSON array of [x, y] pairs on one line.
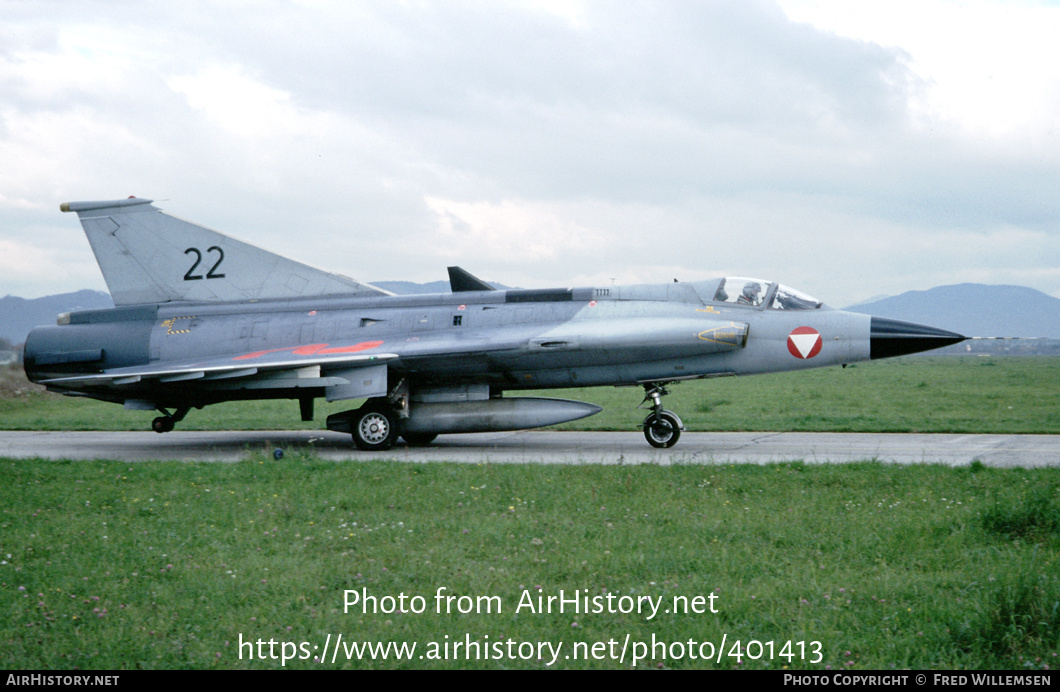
[[893, 338]]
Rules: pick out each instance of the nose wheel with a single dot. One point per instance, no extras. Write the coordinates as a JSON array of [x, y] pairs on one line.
[[662, 428]]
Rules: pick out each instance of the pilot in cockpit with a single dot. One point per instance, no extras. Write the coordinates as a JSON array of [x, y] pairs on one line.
[[749, 296]]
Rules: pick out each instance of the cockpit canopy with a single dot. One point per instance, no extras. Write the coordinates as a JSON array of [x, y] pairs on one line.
[[755, 292]]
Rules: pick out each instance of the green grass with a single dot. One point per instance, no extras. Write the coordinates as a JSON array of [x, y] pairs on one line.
[[166, 565], [919, 394]]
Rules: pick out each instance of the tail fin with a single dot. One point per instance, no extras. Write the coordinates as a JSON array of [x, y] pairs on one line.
[[149, 256]]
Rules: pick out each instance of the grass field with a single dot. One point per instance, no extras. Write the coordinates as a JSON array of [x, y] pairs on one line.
[[921, 394], [168, 565], [172, 565]]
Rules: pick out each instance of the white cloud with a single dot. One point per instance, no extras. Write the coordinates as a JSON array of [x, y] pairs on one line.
[[39, 265], [52, 153], [993, 67], [79, 60], [543, 143], [241, 106], [505, 231]]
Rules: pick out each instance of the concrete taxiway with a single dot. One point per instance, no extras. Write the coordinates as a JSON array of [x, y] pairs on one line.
[[551, 447]]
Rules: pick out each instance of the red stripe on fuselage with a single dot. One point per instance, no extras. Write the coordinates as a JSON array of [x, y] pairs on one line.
[[314, 349]]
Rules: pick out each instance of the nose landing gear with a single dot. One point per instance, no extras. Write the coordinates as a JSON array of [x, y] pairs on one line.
[[662, 428]]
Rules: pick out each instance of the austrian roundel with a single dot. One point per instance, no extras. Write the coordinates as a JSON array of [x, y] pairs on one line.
[[804, 342]]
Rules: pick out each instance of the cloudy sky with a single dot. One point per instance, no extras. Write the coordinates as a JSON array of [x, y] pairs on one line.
[[846, 148]]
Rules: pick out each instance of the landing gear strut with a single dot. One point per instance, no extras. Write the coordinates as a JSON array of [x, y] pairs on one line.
[[662, 428], [166, 423]]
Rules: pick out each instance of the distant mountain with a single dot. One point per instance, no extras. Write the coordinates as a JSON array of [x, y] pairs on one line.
[[19, 315], [974, 310]]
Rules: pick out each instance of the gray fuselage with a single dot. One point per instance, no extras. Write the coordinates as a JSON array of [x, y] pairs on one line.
[[508, 340]]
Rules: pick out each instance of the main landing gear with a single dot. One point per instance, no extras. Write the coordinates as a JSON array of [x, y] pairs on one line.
[[166, 423], [662, 428], [375, 427]]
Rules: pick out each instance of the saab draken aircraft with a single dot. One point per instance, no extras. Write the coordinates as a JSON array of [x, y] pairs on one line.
[[202, 318]]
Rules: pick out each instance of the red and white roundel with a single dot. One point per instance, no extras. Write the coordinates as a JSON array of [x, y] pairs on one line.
[[804, 342]]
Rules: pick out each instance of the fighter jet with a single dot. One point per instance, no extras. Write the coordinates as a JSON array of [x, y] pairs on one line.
[[201, 318]]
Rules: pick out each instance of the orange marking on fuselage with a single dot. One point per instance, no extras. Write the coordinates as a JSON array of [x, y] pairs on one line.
[[314, 349]]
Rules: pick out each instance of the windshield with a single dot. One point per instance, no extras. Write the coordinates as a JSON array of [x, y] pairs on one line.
[[754, 292], [790, 299]]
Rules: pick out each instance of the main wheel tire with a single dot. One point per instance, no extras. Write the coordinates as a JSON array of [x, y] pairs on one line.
[[662, 432], [374, 429]]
